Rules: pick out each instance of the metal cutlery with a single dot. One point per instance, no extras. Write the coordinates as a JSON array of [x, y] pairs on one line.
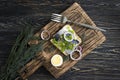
[[63, 19]]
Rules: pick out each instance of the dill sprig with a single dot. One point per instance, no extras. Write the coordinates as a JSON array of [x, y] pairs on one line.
[[20, 53]]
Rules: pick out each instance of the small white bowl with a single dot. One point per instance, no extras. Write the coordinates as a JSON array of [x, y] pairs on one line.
[[54, 60]]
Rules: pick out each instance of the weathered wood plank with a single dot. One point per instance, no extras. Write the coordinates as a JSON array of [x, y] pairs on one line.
[[105, 14], [91, 42]]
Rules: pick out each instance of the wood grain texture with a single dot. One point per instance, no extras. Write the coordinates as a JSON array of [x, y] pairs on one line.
[[93, 39], [102, 63]]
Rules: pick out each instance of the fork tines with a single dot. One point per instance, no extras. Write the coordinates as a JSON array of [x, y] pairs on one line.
[[56, 17]]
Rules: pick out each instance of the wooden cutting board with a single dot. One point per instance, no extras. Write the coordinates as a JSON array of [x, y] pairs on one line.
[[91, 39]]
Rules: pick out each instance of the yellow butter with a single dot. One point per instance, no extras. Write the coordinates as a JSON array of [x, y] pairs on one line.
[[56, 60]]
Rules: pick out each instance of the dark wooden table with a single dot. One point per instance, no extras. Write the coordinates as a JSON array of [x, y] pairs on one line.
[[102, 64]]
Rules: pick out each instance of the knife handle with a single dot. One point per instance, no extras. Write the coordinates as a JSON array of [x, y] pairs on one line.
[[86, 26]]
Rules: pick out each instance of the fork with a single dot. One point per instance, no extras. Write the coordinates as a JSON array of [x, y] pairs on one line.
[[63, 19]]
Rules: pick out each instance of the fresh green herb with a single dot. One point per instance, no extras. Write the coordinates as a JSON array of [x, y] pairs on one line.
[[66, 58], [63, 44], [69, 37], [20, 54]]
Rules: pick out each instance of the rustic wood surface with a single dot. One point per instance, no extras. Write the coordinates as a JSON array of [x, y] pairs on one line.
[[90, 40], [103, 63]]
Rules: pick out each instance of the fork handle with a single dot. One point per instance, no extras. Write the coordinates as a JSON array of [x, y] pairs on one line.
[[86, 26]]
